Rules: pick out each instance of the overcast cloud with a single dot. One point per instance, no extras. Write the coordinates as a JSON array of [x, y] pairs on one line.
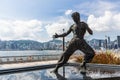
[[102, 16]]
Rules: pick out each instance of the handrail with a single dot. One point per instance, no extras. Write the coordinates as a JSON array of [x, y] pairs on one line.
[[40, 67]]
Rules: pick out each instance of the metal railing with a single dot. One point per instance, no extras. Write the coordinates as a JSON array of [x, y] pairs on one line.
[[100, 67], [27, 58]]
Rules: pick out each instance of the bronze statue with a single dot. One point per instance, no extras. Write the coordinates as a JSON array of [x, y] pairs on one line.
[[77, 42]]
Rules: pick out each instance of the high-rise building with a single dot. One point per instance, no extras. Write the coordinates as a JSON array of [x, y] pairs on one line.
[[100, 43], [108, 39], [118, 40]]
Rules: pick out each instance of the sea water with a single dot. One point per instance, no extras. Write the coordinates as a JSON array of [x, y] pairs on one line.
[[27, 53]]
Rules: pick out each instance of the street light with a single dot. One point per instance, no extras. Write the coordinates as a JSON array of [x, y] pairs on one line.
[[63, 50]]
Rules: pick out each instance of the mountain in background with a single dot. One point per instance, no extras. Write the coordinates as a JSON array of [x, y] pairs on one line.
[[54, 44], [30, 45]]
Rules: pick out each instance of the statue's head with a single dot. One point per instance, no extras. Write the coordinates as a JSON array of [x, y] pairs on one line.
[[76, 17]]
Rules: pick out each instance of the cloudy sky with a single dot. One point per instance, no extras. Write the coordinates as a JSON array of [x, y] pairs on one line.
[[40, 19]]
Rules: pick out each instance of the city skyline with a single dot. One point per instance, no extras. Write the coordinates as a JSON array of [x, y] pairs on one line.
[[39, 20]]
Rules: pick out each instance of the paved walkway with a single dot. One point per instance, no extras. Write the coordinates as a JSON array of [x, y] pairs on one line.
[[27, 64], [18, 65]]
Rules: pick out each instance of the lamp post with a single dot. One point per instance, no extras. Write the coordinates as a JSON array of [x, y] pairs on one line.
[[63, 50]]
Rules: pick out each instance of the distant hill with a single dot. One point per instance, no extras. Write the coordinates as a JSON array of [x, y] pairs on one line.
[[29, 45], [53, 45]]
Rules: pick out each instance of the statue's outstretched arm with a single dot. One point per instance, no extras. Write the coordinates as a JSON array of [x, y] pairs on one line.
[[62, 35]]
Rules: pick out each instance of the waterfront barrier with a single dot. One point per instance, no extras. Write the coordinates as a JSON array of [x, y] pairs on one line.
[[100, 67], [27, 58]]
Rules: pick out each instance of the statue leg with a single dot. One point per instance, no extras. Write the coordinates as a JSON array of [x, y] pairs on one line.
[[65, 56], [88, 51], [62, 56]]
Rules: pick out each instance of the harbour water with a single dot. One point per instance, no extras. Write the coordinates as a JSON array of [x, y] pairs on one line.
[[28, 53]]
